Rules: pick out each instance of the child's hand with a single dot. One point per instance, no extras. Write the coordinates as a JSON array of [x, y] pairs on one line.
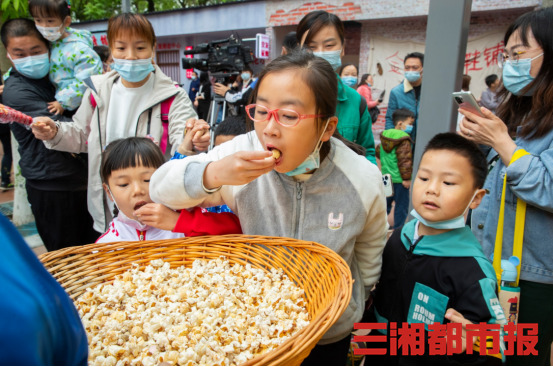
[[406, 184], [238, 169], [196, 136], [44, 128], [157, 215], [55, 108], [453, 316]]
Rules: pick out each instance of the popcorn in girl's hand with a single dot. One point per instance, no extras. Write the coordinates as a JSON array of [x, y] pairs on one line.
[[191, 316]]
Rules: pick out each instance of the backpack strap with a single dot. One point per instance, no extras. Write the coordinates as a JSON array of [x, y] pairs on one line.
[[165, 108], [88, 83], [362, 106]]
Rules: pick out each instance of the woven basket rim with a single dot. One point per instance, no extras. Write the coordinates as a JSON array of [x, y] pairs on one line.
[[288, 352]]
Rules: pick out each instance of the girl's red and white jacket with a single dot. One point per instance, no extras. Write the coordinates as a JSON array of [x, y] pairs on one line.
[[196, 222]]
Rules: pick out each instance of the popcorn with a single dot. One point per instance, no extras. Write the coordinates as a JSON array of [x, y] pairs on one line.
[[191, 316], [276, 154]]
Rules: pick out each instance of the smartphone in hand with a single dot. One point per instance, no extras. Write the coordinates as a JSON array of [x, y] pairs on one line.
[[466, 101]]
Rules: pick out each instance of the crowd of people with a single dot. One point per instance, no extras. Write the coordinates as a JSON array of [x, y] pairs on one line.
[[118, 152]]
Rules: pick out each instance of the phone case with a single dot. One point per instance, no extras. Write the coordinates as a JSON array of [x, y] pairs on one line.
[[388, 185]]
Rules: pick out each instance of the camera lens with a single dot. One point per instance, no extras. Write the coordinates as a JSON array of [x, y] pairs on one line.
[[459, 100]]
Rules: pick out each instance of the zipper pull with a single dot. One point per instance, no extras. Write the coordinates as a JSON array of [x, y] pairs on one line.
[[299, 193]]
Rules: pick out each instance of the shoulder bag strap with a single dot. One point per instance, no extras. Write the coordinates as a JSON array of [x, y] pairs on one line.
[[519, 226]]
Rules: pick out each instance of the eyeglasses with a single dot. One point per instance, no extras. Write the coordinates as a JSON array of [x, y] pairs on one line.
[[284, 117], [512, 57]]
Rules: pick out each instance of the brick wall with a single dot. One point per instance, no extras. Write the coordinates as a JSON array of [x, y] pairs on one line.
[[281, 17], [288, 12]]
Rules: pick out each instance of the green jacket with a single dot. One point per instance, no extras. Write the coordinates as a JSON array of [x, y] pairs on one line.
[[352, 125], [395, 155]]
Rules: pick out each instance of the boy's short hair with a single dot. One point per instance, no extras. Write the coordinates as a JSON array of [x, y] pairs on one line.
[[466, 148], [231, 126], [20, 28], [490, 79], [102, 51], [401, 114], [135, 24], [290, 41]]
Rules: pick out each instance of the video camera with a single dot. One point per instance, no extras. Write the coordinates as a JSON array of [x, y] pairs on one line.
[[226, 57]]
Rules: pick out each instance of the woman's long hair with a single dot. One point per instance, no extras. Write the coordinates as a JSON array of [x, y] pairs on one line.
[[533, 113]]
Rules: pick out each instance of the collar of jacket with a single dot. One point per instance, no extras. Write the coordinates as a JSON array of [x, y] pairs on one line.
[[455, 243], [407, 87], [342, 95]]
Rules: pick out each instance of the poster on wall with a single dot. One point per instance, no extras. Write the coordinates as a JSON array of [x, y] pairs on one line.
[[386, 60]]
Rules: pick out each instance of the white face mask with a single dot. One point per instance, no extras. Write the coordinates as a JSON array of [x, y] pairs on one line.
[[52, 34]]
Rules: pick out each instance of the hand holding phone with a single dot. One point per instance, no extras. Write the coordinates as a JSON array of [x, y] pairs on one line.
[[466, 101]]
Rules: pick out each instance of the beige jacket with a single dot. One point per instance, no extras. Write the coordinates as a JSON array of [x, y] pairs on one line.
[[87, 132]]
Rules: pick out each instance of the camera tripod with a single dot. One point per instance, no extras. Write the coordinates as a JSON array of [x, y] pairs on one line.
[[213, 114]]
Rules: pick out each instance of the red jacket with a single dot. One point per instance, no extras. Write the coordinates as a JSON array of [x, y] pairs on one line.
[[200, 222]]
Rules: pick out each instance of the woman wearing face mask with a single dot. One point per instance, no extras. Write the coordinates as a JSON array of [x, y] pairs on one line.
[[323, 33], [134, 99], [55, 181], [348, 74], [238, 95], [73, 58], [524, 123]]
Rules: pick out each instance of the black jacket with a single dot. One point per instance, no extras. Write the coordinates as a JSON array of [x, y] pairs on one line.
[[421, 279], [43, 168]]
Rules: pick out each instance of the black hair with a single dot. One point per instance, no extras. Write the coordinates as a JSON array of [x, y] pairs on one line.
[[341, 68], [401, 114], [203, 77], [364, 79], [130, 152], [102, 51], [416, 55], [319, 76], [490, 79], [49, 9], [20, 28], [231, 126], [456, 143], [465, 85], [533, 113], [315, 21], [290, 41]]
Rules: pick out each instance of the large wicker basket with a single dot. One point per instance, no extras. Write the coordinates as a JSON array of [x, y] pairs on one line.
[[323, 275]]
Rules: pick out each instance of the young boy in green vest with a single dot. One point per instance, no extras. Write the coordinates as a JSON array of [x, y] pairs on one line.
[[396, 159]]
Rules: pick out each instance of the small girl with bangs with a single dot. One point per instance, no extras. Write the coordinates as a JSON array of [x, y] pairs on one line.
[[72, 58], [291, 178], [127, 101], [126, 169]]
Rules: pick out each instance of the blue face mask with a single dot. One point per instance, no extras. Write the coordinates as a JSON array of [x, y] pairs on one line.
[[412, 76], [350, 81], [408, 129], [333, 57], [33, 67], [245, 76], [133, 70], [517, 76], [454, 223], [313, 161]]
